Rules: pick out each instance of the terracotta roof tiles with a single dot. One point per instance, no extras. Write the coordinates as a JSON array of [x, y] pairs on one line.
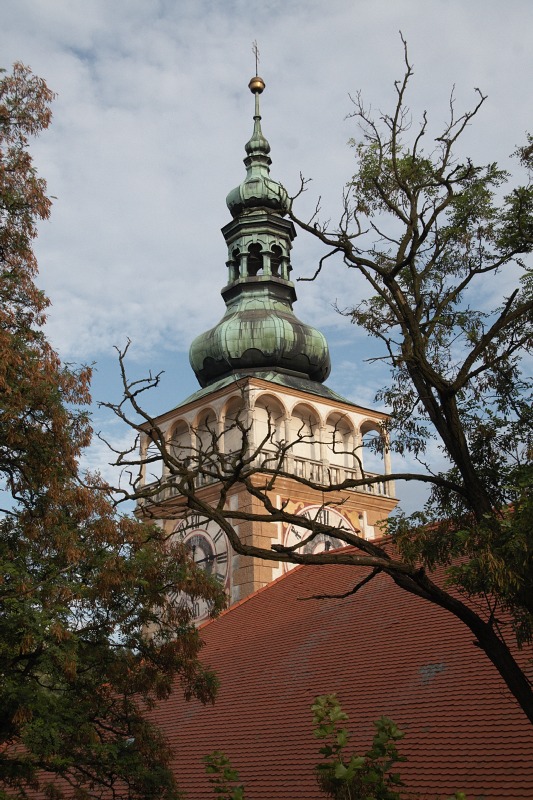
[[383, 652]]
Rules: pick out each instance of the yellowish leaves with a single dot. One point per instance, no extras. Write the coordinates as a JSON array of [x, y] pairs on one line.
[[70, 667], [22, 715], [59, 632], [27, 643]]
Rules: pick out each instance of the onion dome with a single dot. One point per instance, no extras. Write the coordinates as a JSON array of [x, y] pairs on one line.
[[259, 330]]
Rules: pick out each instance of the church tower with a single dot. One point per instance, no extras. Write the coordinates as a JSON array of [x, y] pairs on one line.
[[262, 370]]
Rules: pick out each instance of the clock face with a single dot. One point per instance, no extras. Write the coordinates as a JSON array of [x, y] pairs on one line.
[[208, 547], [294, 534]]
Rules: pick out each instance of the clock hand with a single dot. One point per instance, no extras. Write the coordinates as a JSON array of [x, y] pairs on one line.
[[206, 559], [209, 559]]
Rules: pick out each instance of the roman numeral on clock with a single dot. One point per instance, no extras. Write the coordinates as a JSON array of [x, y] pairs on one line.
[[295, 532], [323, 516]]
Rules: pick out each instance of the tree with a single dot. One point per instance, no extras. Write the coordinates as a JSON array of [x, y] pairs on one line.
[[93, 627], [436, 231], [353, 777], [424, 230], [341, 775]]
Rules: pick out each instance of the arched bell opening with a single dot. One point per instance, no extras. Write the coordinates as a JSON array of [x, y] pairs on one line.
[[304, 430], [234, 425], [205, 446], [275, 261], [340, 447], [234, 265], [269, 430], [255, 260], [179, 444], [374, 454], [153, 466]]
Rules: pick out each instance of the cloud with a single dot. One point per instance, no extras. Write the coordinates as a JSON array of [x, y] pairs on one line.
[[148, 137]]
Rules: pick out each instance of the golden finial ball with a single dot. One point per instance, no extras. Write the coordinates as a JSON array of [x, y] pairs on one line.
[[256, 85]]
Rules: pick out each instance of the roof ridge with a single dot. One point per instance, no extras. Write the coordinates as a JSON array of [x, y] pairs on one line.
[[253, 594], [381, 540]]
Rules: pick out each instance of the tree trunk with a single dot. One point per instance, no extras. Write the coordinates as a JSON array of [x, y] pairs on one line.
[[486, 637]]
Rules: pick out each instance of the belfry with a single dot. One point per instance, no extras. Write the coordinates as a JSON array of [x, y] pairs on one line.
[[262, 370]]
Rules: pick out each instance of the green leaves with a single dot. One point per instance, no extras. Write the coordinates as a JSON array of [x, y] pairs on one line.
[[342, 777], [223, 777], [353, 777], [434, 236]]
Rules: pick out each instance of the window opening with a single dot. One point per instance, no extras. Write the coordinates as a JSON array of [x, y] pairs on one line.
[[255, 260], [275, 260]]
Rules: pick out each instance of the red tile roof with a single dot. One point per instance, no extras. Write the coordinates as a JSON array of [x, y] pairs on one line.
[[383, 652]]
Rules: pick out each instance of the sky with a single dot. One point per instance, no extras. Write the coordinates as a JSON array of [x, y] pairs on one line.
[[150, 120]]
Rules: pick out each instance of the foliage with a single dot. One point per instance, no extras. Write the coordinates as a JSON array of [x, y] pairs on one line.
[[90, 637], [340, 776], [354, 777], [435, 236], [427, 232], [223, 777]]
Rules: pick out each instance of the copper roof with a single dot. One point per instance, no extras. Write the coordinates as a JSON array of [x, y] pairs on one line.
[[384, 652]]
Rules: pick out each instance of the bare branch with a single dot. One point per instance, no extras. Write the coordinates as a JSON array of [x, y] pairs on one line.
[[344, 595]]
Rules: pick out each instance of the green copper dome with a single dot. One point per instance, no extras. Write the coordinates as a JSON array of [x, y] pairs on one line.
[[259, 330]]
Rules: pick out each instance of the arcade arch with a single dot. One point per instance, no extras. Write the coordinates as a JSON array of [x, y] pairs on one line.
[[304, 433], [179, 441], [339, 441], [206, 432], [269, 417], [373, 447], [233, 417]]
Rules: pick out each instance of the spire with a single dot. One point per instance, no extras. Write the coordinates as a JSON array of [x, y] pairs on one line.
[[257, 145], [258, 190], [259, 332]]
